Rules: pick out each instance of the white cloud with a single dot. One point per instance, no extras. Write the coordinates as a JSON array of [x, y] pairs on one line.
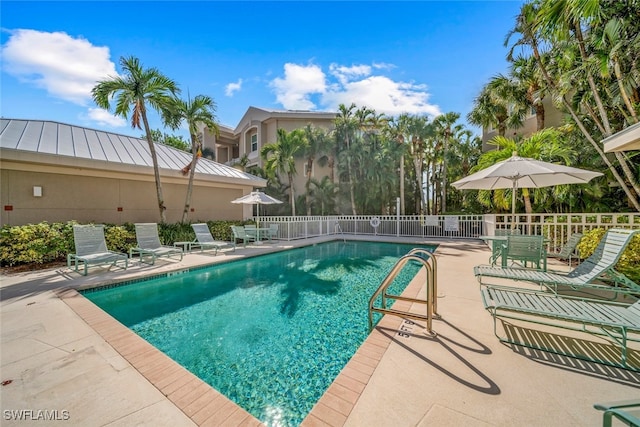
[[103, 117], [299, 83], [66, 67], [231, 88], [362, 84], [345, 74]]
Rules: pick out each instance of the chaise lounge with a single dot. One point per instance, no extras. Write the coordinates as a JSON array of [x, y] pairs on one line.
[[91, 249], [568, 251], [620, 322], [149, 244], [590, 273], [204, 239], [239, 233]]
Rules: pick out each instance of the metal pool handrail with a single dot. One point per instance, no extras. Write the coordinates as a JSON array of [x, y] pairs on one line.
[[430, 264]]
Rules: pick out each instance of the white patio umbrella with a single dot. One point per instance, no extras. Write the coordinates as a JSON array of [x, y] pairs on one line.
[[256, 198], [521, 172]]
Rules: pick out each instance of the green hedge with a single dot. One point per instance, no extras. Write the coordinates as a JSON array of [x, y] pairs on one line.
[[43, 243]]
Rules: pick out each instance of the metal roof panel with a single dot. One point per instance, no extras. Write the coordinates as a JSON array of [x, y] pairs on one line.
[[39, 136]]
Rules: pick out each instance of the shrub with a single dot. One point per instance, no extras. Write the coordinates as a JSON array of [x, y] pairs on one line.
[[44, 242], [35, 243], [119, 238]]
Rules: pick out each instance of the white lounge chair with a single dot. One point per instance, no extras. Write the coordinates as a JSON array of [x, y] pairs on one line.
[[149, 244], [91, 248], [204, 239]]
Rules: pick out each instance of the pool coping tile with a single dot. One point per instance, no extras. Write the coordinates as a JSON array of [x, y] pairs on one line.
[[181, 387]]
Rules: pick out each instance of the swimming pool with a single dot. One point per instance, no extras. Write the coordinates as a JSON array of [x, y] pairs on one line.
[[271, 332]]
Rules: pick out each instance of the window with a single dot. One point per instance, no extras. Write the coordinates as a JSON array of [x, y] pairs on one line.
[[254, 142]]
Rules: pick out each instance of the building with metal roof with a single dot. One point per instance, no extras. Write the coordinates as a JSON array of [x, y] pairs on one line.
[[52, 171]]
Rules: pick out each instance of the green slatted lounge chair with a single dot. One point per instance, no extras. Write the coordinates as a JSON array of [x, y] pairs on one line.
[[625, 411], [239, 233], [149, 245], [599, 266], [273, 231], [617, 321], [568, 251], [252, 231], [204, 239], [91, 249]]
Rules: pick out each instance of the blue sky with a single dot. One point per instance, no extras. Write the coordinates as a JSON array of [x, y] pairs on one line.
[[419, 57]]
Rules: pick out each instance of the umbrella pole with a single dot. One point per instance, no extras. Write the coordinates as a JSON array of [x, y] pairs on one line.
[[513, 204]]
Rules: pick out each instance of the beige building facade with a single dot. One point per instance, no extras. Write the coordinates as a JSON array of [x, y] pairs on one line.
[[259, 127], [57, 172]]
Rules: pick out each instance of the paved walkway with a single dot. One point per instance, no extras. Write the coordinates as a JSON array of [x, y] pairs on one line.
[[62, 358]]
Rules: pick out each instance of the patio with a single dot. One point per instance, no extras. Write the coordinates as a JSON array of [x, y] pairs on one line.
[[62, 354]]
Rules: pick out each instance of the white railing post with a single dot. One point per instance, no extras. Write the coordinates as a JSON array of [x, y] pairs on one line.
[[397, 216]]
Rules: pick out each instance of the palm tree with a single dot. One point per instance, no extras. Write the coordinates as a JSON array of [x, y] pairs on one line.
[[501, 103], [280, 157], [397, 129], [419, 131], [461, 156], [444, 133], [134, 90], [318, 143], [543, 15], [346, 126], [546, 145], [324, 194], [196, 111], [527, 76], [486, 112]]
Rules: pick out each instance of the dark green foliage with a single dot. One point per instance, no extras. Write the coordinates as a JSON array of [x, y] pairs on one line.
[[44, 242]]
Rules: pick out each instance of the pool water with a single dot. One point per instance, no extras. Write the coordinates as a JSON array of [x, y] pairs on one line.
[[271, 332]]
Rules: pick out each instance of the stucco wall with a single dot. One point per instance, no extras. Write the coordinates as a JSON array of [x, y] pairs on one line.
[[97, 199]]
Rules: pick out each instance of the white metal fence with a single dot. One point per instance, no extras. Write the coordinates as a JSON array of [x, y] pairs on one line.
[[556, 227]]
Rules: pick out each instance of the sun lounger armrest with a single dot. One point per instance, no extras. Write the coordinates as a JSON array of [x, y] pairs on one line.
[[620, 411]]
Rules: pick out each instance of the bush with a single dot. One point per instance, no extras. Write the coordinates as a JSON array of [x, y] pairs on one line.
[[629, 262], [44, 242], [35, 243], [119, 238]]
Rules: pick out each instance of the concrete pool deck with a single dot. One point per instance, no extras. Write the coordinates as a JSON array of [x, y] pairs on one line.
[[65, 359]]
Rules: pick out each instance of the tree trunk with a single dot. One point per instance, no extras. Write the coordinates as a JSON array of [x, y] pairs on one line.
[[623, 91], [527, 201], [539, 116], [156, 168], [352, 194], [402, 210], [192, 173], [308, 185], [292, 196]]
